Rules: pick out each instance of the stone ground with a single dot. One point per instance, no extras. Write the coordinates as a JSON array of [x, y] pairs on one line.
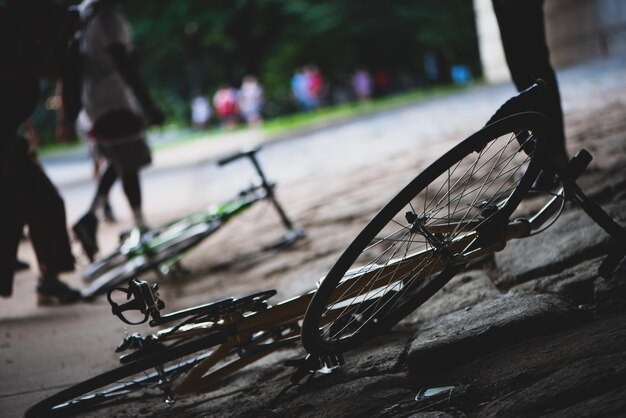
[[539, 334]]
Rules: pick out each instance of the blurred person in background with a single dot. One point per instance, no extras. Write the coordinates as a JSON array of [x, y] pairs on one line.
[[300, 89], [32, 33], [250, 100], [113, 96], [200, 112], [226, 108], [362, 84], [316, 85]]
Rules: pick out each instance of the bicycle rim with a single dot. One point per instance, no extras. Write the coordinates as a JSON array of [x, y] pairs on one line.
[[423, 236], [149, 376]]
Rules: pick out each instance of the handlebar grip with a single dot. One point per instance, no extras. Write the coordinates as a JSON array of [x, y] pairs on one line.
[[250, 152], [612, 260], [576, 166]]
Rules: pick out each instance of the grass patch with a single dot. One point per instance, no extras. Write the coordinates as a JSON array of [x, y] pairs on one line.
[[349, 110], [58, 148]]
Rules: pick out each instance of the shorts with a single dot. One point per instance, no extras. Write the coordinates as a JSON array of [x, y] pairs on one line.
[[119, 136], [127, 156]]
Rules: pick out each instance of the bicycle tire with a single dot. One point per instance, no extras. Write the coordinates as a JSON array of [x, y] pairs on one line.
[[141, 263], [109, 388], [371, 268]]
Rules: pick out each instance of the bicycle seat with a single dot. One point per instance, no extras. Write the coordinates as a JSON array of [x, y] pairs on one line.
[[528, 100]]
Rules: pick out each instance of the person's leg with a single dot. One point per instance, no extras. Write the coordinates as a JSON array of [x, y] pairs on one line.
[[99, 160], [108, 213], [132, 190], [130, 157], [87, 226], [44, 211], [105, 183], [522, 29], [11, 224]]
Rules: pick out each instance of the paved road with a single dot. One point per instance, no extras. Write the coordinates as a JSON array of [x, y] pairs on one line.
[[44, 349]]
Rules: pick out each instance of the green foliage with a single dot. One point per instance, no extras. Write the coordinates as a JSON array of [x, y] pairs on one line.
[[187, 47]]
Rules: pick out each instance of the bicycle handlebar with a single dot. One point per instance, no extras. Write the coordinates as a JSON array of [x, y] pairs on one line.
[[249, 153], [265, 184]]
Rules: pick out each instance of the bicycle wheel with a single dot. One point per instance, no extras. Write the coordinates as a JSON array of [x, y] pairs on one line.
[[453, 210], [128, 382], [159, 250]]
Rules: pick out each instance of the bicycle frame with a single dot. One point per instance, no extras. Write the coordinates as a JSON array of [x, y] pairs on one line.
[[213, 217], [252, 335]]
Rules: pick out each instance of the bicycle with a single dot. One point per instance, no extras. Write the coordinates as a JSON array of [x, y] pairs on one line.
[[462, 208], [353, 304], [162, 248], [206, 344]]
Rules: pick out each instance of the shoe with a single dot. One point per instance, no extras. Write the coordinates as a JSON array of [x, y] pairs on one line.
[[21, 265], [109, 216], [56, 293], [85, 231]]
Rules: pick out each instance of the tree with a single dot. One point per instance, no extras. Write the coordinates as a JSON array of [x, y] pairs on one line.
[[193, 45]]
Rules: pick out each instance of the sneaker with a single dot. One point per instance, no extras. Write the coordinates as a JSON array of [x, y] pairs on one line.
[[55, 293], [109, 216], [85, 231]]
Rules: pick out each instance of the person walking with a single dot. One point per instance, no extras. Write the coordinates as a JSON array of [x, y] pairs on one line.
[[226, 107], [114, 96], [250, 100]]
